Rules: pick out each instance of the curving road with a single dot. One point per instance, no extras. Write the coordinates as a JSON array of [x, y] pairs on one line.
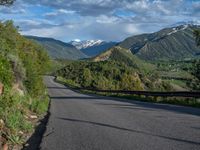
[[83, 122]]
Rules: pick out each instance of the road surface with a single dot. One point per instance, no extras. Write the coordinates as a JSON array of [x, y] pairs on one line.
[[83, 122]]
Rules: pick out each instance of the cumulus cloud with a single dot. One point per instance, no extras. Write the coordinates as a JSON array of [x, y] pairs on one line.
[[98, 19], [59, 12]]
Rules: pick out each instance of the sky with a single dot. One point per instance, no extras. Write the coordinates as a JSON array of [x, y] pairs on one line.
[[109, 20]]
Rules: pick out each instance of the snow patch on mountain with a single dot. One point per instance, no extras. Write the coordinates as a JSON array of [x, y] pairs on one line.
[[192, 23], [85, 44], [180, 28]]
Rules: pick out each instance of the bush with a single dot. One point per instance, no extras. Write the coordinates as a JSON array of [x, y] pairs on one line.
[[6, 74]]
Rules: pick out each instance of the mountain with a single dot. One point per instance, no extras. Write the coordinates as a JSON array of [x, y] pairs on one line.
[[125, 56], [85, 44], [181, 23], [92, 47], [169, 43], [97, 49], [58, 49]]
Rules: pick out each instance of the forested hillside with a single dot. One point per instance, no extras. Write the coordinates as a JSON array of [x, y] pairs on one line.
[[58, 49], [166, 44], [22, 62], [110, 75], [118, 69]]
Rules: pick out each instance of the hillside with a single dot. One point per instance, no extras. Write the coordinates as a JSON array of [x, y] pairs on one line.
[[22, 92], [169, 43], [58, 49], [125, 56]]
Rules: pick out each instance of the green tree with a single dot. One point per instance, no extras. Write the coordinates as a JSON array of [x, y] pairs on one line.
[[86, 78], [6, 74], [131, 82]]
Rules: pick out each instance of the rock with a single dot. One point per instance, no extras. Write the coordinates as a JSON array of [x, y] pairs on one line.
[[1, 88], [1, 123], [5, 147], [33, 117], [20, 132]]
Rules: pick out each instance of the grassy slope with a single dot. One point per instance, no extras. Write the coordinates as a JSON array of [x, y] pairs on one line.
[[24, 97], [58, 49], [161, 45], [125, 56]]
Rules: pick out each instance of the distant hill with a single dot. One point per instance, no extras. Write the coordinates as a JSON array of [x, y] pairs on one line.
[[169, 43], [92, 47], [58, 49], [114, 69], [125, 56]]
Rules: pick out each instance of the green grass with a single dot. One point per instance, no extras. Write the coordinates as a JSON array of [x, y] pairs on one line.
[[39, 106], [13, 109], [180, 83], [175, 74]]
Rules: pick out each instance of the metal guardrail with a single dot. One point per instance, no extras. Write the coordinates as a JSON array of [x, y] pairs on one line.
[[187, 94]]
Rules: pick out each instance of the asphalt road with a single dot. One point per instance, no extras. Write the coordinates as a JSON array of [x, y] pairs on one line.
[[83, 122]]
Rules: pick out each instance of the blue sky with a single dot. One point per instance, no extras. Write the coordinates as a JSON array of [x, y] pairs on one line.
[[110, 20]]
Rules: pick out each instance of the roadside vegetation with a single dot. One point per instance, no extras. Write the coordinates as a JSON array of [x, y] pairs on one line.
[[23, 98]]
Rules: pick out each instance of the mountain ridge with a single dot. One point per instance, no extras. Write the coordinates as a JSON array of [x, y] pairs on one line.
[[125, 56], [58, 49], [168, 43], [85, 43]]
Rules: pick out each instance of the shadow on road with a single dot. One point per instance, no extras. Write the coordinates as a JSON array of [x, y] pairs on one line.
[[132, 103], [156, 106], [129, 130], [34, 141], [138, 104]]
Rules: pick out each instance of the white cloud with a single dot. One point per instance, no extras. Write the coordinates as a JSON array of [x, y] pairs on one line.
[[58, 13], [106, 19], [98, 19], [66, 11]]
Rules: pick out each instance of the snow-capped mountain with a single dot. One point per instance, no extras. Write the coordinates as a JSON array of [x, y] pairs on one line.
[[92, 47], [175, 42], [191, 23], [85, 44], [179, 28]]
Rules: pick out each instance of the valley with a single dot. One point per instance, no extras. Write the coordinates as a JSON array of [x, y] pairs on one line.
[[151, 56]]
